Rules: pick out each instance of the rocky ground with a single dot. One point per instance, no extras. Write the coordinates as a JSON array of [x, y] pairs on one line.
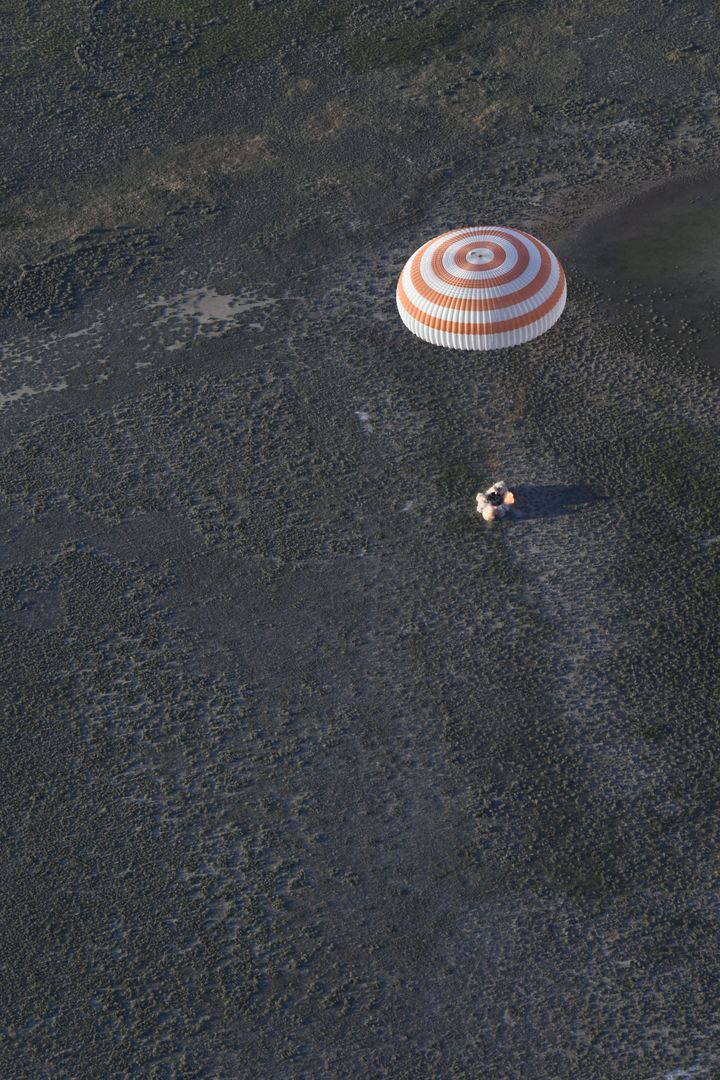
[[308, 771]]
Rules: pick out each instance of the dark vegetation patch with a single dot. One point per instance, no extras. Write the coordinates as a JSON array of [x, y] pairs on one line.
[[182, 39], [682, 464], [56, 284], [42, 34], [419, 29], [674, 560]]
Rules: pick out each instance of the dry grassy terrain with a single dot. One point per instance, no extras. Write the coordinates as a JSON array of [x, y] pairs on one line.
[[309, 772]]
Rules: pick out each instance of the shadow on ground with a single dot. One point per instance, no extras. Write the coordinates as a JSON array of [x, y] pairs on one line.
[[552, 500]]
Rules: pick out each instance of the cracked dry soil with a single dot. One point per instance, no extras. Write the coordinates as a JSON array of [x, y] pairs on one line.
[[308, 772]]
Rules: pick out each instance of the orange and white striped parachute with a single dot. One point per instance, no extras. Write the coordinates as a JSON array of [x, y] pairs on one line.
[[481, 288]]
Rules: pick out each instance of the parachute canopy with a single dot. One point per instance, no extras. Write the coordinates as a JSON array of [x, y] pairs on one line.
[[481, 288]]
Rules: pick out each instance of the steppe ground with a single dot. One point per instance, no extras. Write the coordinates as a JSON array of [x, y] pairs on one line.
[[307, 771]]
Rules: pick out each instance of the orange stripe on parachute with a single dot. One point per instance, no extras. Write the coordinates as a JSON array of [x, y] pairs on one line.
[[485, 328], [487, 303]]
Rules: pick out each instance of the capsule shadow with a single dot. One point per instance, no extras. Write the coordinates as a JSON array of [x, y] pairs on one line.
[[533, 501]]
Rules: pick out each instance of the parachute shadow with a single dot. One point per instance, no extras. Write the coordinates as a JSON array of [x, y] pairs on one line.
[[533, 501]]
